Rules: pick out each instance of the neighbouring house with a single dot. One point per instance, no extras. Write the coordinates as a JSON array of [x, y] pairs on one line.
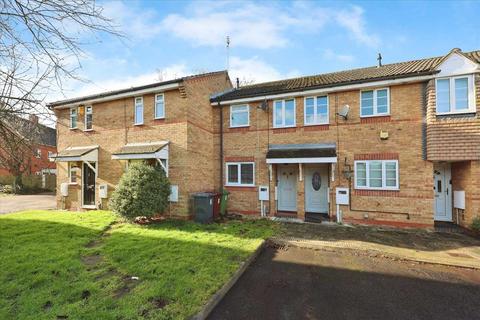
[[40, 144], [169, 124], [395, 144]]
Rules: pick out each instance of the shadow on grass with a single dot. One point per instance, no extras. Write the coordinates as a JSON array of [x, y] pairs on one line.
[[307, 284], [179, 265], [410, 239]]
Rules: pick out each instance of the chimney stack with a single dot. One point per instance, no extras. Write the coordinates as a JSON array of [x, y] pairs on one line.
[[379, 60]]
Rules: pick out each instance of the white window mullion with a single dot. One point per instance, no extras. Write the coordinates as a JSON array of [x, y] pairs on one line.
[[375, 110], [453, 106], [367, 173], [284, 113]]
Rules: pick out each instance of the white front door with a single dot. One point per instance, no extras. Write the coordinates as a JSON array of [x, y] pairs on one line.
[[316, 188], [443, 192], [287, 187]]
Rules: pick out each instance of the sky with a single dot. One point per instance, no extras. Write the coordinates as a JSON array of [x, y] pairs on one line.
[[268, 40]]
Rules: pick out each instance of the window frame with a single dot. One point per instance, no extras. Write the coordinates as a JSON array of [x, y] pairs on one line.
[[69, 173], [85, 118], [384, 176], [155, 107], [76, 117], [315, 108], [38, 153], [239, 167], [232, 112], [375, 112], [135, 120], [283, 113], [472, 108]]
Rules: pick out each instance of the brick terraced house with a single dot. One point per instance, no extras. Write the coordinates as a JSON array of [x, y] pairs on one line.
[[168, 124], [400, 143], [395, 144]]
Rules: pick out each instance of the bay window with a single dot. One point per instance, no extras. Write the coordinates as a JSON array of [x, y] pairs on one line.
[[455, 95]]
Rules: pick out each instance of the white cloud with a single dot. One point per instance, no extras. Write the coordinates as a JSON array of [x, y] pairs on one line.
[[329, 54], [262, 26], [256, 70], [353, 20]]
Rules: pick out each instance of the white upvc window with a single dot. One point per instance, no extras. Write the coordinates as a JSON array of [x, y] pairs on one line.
[[73, 170], [284, 113], [38, 153], [376, 174], [455, 95], [160, 106], [375, 102], [139, 110], [240, 174], [239, 116], [73, 118], [316, 110], [88, 118]]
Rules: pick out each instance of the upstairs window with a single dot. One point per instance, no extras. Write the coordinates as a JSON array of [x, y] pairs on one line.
[[316, 110], [284, 113], [240, 174], [376, 174], [455, 95], [38, 153], [159, 106], [139, 110], [73, 118], [88, 118], [239, 116], [375, 103]]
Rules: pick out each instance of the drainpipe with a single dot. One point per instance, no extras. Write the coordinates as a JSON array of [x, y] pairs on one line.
[[221, 147]]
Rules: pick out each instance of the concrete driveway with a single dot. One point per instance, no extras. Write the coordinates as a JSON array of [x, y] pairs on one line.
[[299, 283], [14, 203]]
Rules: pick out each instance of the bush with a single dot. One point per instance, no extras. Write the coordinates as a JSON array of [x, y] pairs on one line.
[[142, 191], [476, 224]]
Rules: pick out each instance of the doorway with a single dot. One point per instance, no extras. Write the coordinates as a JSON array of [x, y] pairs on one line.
[[442, 186], [316, 188], [88, 184], [287, 187]]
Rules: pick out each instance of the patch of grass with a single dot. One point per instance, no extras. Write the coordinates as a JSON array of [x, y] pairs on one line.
[[73, 264]]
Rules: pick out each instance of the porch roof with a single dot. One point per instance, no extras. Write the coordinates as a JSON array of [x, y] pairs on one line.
[[83, 153], [147, 150], [302, 153]]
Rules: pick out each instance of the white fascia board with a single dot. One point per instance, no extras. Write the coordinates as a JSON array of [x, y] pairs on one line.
[[356, 86], [121, 95], [303, 160]]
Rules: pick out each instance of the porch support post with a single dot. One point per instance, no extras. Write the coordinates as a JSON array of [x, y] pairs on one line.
[[333, 172], [91, 167], [300, 172], [270, 173]]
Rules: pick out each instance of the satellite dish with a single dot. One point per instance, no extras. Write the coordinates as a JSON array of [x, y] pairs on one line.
[[344, 111]]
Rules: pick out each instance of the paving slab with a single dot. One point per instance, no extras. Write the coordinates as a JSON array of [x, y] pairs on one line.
[[15, 203]]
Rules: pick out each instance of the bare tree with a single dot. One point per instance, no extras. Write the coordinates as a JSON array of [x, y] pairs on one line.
[[40, 48]]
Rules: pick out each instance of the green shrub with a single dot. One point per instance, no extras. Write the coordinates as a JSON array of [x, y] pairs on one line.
[[142, 191], [476, 224]]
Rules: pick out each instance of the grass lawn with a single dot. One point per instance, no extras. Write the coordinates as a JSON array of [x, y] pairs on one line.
[[55, 265]]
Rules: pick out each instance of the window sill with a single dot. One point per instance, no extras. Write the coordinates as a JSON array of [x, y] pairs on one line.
[[89, 207], [241, 185], [87, 130], [285, 127], [235, 127], [162, 118], [74, 128], [138, 124], [316, 124], [455, 113], [377, 189], [376, 115]]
